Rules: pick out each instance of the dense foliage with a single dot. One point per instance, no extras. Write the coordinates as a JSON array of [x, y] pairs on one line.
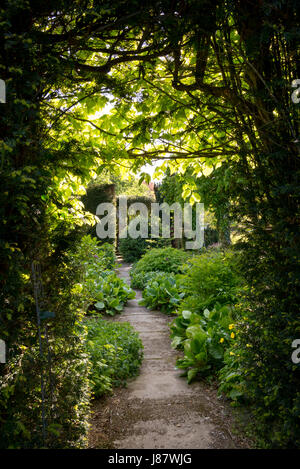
[[207, 86], [132, 249], [115, 351], [162, 292], [102, 289], [211, 278], [91, 258], [109, 293], [201, 281], [175, 188], [139, 280], [63, 365], [203, 297], [161, 259], [204, 338]]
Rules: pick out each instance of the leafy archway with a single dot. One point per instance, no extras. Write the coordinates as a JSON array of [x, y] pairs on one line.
[[201, 85]]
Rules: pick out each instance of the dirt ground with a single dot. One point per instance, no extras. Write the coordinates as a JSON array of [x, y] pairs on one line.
[[159, 409]]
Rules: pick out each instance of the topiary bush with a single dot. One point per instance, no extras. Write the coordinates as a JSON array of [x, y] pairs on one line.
[[97, 193], [132, 249], [161, 259]]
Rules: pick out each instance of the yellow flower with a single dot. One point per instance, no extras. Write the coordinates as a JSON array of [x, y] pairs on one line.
[[231, 326], [232, 335], [221, 340], [231, 353]]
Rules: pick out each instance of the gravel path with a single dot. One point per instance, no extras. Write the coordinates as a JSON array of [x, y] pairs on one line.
[[159, 409]]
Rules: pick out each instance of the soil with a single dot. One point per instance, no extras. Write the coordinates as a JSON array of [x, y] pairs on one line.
[[158, 409]]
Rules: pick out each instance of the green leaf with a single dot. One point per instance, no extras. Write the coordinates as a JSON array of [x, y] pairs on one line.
[[192, 373], [186, 314]]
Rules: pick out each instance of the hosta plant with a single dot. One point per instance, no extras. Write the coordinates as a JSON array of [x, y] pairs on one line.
[[110, 293], [139, 280], [100, 287], [203, 338], [162, 292]]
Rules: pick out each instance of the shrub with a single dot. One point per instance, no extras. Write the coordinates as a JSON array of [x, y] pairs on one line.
[[162, 293], [232, 380], [97, 193], [99, 286], [212, 277], [161, 259], [211, 285], [115, 351], [259, 371], [132, 249], [190, 303], [92, 256], [210, 236], [65, 372], [106, 253]]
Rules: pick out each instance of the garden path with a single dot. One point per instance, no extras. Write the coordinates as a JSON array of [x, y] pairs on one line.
[[159, 409]]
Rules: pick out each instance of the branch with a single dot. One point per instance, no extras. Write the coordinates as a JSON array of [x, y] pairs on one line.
[[105, 68], [93, 124], [174, 154]]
